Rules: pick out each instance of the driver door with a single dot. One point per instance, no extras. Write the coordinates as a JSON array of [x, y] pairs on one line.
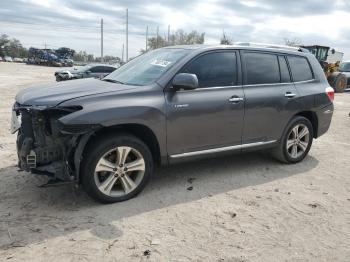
[[211, 116]]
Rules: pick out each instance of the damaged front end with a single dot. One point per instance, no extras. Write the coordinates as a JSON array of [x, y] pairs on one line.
[[46, 146]]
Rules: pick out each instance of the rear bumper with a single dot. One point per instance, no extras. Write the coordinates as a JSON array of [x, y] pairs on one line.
[[324, 116]]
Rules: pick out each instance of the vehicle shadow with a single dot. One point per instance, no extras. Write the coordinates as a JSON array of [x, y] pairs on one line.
[[30, 215]]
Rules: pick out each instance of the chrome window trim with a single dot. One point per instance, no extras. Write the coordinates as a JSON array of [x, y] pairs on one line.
[[287, 83], [210, 88], [224, 87], [221, 149], [271, 84]]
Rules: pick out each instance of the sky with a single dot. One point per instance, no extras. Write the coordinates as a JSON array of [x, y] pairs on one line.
[[76, 23]]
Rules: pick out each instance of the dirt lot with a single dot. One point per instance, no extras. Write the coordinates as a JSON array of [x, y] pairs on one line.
[[241, 208]]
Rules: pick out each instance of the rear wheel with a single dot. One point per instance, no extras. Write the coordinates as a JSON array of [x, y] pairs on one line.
[[116, 168], [296, 141]]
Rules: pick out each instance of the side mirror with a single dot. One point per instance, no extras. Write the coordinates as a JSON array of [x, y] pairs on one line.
[[88, 72], [185, 81]]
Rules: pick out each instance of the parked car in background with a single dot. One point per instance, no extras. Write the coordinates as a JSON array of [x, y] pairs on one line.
[[345, 69], [88, 71], [66, 62], [18, 60], [169, 105], [0, 59], [8, 59]]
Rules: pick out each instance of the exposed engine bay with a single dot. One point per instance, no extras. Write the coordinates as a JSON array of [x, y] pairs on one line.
[[44, 145]]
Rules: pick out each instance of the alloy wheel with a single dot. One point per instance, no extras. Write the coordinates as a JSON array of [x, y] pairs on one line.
[[119, 171], [298, 141]]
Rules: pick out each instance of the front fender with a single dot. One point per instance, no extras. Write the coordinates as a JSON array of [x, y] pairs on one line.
[[147, 109]]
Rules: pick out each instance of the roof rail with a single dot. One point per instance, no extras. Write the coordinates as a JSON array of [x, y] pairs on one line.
[[265, 45]]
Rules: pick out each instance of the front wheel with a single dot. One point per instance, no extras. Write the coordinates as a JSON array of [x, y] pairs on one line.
[[296, 141], [116, 168]]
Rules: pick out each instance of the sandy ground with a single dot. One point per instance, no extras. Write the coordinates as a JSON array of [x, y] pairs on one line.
[[241, 208]]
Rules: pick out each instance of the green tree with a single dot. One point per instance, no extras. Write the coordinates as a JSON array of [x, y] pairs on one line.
[[11, 47], [4, 40], [180, 37], [225, 40]]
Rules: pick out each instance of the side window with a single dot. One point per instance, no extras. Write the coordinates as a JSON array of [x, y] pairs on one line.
[[285, 77], [300, 68], [214, 69], [98, 69], [93, 69], [109, 69], [261, 68]]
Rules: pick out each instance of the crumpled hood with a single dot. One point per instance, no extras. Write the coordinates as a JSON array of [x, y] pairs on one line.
[[54, 94]]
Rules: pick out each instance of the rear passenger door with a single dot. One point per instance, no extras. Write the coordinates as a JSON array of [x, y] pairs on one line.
[[270, 96]]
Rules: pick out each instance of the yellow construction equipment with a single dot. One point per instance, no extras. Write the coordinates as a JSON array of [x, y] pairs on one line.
[[330, 60]]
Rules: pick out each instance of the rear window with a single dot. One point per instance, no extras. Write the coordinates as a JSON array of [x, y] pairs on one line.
[[300, 67], [261, 68]]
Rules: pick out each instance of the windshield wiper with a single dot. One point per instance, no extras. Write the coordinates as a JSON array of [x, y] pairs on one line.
[[112, 81]]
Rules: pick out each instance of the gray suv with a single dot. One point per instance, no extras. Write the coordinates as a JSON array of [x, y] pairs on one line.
[[170, 105]]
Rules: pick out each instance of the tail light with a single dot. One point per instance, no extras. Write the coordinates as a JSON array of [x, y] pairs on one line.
[[330, 93]]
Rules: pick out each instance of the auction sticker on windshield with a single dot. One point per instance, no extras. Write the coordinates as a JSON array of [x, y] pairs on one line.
[[160, 62]]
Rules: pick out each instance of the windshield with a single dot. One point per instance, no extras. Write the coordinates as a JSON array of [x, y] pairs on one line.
[[147, 68], [344, 67]]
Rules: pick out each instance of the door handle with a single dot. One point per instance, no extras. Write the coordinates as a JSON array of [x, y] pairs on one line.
[[289, 94], [236, 99]]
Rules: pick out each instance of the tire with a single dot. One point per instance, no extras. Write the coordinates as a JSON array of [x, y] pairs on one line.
[[114, 183], [286, 152], [340, 83]]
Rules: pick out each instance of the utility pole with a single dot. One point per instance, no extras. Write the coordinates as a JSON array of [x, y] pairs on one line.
[[101, 40], [127, 36], [123, 54], [146, 38], [168, 33], [157, 37]]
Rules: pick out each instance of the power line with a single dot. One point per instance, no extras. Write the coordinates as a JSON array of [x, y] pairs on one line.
[[41, 27], [51, 25]]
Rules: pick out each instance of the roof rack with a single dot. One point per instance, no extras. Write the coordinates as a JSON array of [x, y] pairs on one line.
[[265, 45]]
